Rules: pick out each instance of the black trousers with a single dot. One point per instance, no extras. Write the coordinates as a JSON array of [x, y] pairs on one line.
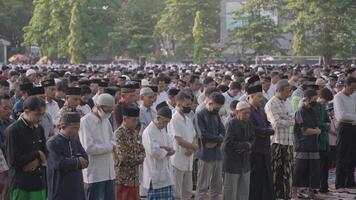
[[324, 170], [345, 156], [261, 183]]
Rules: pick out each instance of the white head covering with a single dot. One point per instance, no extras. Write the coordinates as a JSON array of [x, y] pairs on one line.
[[105, 100], [242, 105]]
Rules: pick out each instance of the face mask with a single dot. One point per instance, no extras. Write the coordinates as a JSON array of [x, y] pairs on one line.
[[104, 115], [313, 103], [215, 111], [186, 110]]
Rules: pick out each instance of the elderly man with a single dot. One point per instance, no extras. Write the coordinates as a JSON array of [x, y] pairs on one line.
[[261, 187], [98, 140], [50, 91], [128, 98], [71, 104], [282, 141], [238, 143], [345, 114], [157, 171], [147, 113]]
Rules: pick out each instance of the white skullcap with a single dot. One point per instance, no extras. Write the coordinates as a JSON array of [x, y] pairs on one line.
[[228, 73], [242, 105], [211, 74], [145, 82], [30, 72], [260, 69], [105, 100]]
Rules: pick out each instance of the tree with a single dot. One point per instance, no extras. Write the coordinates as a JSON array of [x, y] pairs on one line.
[[198, 35], [181, 13], [14, 15], [324, 28], [75, 35], [133, 30], [257, 32]]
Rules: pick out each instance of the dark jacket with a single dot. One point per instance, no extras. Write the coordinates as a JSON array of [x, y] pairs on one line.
[[210, 129], [237, 146], [64, 173], [263, 131], [305, 118], [22, 145]]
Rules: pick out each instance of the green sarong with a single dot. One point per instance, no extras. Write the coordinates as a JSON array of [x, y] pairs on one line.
[[18, 194]]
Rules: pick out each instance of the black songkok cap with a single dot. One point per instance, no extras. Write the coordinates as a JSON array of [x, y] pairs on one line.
[[254, 89], [131, 111], [161, 105], [36, 91], [165, 112], [48, 83], [73, 91]]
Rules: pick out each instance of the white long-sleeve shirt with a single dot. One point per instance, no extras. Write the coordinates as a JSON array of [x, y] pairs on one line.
[[345, 107], [156, 167], [98, 140]]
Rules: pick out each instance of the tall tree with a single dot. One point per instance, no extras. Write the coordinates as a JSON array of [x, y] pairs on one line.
[[133, 31], [14, 15], [181, 13], [324, 28], [75, 35], [198, 35], [257, 32]]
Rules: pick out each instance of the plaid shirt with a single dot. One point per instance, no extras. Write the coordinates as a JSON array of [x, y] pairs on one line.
[[281, 120]]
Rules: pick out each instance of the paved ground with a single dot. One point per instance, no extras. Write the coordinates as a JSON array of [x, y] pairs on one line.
[[333, 195]]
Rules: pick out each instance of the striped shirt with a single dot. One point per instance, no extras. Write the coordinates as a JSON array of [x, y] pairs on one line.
[[281, 120]]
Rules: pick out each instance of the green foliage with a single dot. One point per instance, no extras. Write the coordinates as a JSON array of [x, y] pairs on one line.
[[14, 15], [324, 28], [133, 30], [258, 33], [176, 23]]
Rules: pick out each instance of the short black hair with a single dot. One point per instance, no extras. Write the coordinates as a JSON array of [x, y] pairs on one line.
[[193, 78], [4, 83], [235, 85], [85, 90], [34, 103], [326, 94], [233, 104], [208, 80], [4, 96], [182, 96], [350, 80], [211, 90], [217, 98]]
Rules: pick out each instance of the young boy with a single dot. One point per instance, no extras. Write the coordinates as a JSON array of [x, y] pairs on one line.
[[66, 160]]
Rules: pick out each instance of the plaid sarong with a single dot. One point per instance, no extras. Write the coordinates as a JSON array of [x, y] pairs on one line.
[[165, 193]]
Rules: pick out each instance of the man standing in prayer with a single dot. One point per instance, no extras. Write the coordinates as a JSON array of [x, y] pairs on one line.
[[26, 152], [157, 170], [129, 153], [261, 184], [98, 140], [282, 140]]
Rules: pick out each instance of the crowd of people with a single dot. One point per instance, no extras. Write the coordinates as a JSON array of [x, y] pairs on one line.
[[104, 132]]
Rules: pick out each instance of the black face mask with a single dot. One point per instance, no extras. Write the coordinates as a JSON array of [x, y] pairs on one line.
[[215, 111], [313, 103], [186, 110]]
